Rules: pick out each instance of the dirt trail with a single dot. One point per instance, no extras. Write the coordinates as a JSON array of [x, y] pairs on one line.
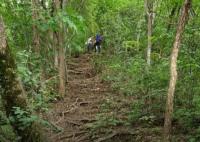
[[81, 104], [91, 101]]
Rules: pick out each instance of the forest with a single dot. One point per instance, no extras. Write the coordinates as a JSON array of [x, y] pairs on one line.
[[99, 71]]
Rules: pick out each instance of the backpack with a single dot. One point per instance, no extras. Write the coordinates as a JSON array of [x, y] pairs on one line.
[[98, 38]]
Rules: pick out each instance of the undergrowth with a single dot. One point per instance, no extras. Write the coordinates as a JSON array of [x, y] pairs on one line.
[[129, 75]]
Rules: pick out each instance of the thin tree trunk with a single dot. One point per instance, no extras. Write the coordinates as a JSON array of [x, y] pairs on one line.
[[61, 52], [62, 64], [62, 77], [173, 71], [55, 47], [139, 25], [149, 13], [54, 36], [56, 58], [36, 39], [36, 36], [149, 47]]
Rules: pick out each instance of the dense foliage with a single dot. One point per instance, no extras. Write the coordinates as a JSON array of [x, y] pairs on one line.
[[123, 24], [127, 70]]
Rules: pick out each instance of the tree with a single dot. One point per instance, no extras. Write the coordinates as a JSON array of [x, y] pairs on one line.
[[36, 39], [173, 70], [61, 52], [12, 94], [149, 13]]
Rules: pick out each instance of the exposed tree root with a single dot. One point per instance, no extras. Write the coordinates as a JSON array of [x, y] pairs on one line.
[[73, 122], [85, 94], [73, 135], [110, 136]]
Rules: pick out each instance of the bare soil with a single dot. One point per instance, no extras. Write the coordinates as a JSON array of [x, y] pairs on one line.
[[88, 100]]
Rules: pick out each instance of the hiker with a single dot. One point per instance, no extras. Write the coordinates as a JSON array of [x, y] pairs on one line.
[[98, 42], [90, 44]]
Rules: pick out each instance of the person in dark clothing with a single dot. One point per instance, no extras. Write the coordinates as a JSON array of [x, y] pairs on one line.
[[98, 43]]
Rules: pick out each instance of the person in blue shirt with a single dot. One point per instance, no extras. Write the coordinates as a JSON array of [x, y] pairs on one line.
[[98, 41]]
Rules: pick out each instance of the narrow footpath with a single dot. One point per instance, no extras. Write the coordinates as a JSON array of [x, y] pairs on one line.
[[81, 104], [91, 110]]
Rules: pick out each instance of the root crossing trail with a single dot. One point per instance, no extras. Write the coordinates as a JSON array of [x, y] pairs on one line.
[[92, 111], [81, 104]]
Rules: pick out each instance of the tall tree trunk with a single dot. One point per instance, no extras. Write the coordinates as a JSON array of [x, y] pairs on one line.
[[139, 25], [61, 52], [56, 60], [54, 36], [62, 64], [36, 36], [4, 121], [12, 87], [173, 70], [62, 72], [36, 39], [149, 13], [11, 91], [149, 47]]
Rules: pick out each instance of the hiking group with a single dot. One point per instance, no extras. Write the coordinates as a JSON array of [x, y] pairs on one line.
[[94, 43]]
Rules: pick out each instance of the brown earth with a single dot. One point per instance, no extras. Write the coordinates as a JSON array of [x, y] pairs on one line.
[[91, 110]]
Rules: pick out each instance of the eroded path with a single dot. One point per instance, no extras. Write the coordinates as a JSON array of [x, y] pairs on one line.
[[81, 104], [92, 111]]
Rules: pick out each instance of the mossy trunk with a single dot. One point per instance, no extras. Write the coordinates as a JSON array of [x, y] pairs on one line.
[[11, 95], [7, 133]]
